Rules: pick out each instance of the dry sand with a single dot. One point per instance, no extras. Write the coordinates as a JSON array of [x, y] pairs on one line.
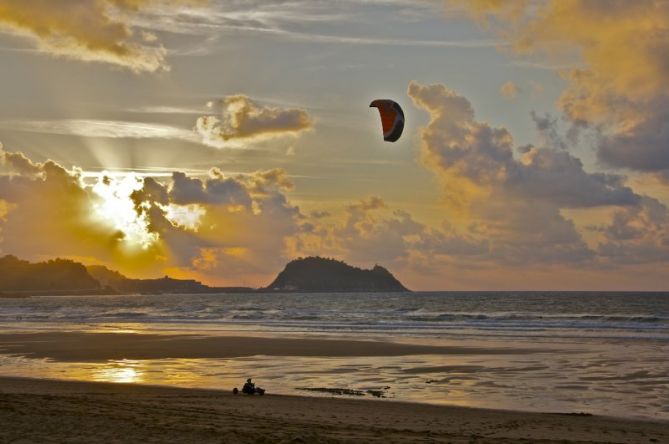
[[45, 411]]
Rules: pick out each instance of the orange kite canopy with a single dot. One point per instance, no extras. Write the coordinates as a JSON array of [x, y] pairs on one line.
[[392, 118]]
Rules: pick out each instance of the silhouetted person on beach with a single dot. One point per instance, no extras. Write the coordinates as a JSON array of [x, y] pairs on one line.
[[250, 388]]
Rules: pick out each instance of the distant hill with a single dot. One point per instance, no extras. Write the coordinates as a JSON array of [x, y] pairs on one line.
[[56, 275], [66, 277], [61, 277], [165, 284], [320, 275], [104, 275]]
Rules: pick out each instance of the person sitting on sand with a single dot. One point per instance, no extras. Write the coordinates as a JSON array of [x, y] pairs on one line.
[[249, 388]]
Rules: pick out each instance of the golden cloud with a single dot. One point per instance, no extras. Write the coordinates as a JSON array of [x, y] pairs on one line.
[[88, 30], [515, 202], [238, 118], [38, 192], [509, 90], [232, 229], [621, 89], [217, 228], [141, 225]]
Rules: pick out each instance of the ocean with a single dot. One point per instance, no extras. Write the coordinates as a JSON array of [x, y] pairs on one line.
[[592, 352]]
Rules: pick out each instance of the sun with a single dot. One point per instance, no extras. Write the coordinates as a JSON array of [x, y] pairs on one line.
[[115, 207]]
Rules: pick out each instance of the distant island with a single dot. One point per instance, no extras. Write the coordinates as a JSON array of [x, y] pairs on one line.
[[66, 277], [317, 274]]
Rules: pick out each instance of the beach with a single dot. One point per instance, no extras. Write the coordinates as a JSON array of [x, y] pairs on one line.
[[433, 367], [46, 411], [313, 221]]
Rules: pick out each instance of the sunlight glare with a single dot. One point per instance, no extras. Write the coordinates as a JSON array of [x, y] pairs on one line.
[[115, 207]]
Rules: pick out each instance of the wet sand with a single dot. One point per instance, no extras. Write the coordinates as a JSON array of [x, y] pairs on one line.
[[44, 411], [98, 347]]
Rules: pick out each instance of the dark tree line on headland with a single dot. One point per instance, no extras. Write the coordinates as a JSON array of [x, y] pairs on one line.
[[52, 275]]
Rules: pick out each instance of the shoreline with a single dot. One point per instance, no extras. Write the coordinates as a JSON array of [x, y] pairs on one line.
[[51, 410]]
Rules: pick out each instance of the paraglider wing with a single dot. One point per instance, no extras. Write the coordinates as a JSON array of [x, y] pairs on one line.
[[392, 118]]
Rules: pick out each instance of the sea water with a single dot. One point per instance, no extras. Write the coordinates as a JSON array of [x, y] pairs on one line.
[[596, 352]]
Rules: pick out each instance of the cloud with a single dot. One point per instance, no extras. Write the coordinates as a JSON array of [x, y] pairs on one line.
[[215, 190], [209, 228], [548, 129], [18, 162], [49, 212], [238, 228], [663, 177], [88, 30], [645, 145], [240, 118], [637, 235], [455, 144], [509, 90], [113, 129], [302, 21], [235, 229], [514, 201], [620, 89], [371, 231], [558, 177]]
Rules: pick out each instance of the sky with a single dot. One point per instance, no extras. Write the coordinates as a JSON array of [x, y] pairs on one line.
[[217, 140]]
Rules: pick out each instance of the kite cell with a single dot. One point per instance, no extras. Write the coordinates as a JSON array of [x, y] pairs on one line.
[[392, 118]]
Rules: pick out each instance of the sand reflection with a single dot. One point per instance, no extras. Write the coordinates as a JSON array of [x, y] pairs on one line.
[[569, 376]]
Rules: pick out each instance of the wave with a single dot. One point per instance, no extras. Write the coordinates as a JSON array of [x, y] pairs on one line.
[[420, 314], [365, 318], [459, 316]]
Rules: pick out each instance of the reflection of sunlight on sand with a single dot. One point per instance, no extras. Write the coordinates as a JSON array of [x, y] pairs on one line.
[[171, 372], [125, 371], [575, 377]]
